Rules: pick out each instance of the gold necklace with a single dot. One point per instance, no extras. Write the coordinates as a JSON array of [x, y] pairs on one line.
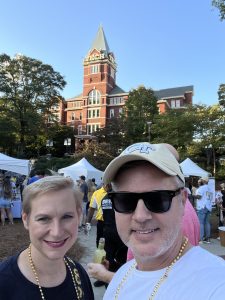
[[77, 290], [164, 277]]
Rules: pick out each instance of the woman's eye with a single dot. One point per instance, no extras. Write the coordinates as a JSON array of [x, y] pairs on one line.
[[43, 219]]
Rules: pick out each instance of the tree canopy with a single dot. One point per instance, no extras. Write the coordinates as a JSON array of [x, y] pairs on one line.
[[28, 90], [140, 108], [220, 4]]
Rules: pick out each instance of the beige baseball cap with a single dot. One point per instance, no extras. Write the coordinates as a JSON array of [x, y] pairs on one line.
[[205, 179], [157, 154]]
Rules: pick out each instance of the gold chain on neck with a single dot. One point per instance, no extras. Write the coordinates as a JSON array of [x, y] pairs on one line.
[[37, 279], [164, 277]]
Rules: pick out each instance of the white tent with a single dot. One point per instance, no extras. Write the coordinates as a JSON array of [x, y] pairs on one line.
[[20, 166], [82, 167], [189, 168]]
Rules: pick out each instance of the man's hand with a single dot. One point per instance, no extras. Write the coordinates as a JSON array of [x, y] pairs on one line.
[[88, 227], [99, 272]]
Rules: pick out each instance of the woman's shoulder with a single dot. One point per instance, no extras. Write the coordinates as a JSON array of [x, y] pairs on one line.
[[7, 263], [8, 271]]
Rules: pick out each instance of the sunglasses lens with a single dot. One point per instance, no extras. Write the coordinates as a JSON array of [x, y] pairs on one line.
[[158, 202], [124, 202]]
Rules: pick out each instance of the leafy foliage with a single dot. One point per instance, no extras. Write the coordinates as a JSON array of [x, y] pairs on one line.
[[28, 90], [221, 94], [220, 4], [140, 108], [174, 127]]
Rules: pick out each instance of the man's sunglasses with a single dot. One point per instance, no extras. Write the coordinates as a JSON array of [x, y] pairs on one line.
[[155, 201]]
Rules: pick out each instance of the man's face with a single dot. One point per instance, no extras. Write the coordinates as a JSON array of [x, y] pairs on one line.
[[149, 235]]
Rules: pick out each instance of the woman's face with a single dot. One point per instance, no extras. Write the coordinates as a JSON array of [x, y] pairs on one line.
[[52, 224]]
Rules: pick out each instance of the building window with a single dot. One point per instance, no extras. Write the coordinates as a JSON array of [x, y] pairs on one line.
[[111, 113], [120, 111], [93, 113], [116, 100], [175, 103], [94, 69], [88, 129], [112, 72], [94, 97], [55, 107], [92, 128], [76, 104], [79, 129], [80, 116], [72, 116]]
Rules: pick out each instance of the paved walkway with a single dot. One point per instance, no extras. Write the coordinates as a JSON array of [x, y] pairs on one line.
[[89, 242]]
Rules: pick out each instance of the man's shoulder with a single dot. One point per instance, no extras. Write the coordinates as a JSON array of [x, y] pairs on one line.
[[204, 259]]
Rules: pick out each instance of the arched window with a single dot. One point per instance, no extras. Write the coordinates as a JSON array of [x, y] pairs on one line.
[[94, 97]]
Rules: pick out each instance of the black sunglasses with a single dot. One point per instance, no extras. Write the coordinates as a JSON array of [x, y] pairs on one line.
[[155, 201]]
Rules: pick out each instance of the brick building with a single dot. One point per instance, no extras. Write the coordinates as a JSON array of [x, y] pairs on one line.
[[102, 99]]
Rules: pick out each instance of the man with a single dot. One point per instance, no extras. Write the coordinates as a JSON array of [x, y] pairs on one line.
[[84, 190], [149, 201], [95, 206], [204, 208], [116, 251], [38, 175]]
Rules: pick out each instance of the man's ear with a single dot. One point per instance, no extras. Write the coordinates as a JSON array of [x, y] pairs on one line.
[[25, 220], [184, 196]]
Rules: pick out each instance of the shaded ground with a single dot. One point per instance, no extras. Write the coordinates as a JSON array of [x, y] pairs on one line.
[[14, 238]]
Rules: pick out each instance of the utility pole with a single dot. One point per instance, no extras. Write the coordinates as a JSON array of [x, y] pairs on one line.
[[149, 123]]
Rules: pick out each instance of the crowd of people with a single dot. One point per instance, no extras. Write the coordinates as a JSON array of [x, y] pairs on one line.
[[151, 226]]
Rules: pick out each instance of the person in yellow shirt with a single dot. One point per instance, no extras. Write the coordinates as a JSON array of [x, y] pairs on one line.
[[96, 205]]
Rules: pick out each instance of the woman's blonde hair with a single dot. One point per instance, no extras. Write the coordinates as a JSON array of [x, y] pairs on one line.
[[46, 185]]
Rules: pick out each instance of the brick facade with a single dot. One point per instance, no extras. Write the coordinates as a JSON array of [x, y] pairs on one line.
[[101, 99]]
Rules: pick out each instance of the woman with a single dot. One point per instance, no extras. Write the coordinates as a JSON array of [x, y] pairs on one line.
[[6, 195], [51, 213]]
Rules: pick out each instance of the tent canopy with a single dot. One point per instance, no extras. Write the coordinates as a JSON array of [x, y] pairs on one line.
[[189, 168], [82, 167], [20, 166]]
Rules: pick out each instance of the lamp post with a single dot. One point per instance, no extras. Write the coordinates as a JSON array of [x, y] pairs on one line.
[[49, 143], [149, 123], [67, 143]]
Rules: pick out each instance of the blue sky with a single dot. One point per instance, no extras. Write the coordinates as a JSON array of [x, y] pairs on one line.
[[160, 44]]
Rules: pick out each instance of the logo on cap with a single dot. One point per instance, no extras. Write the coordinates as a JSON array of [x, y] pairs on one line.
[[141, 147]]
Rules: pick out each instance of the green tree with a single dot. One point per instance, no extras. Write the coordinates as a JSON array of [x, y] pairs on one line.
[[221, 94], [140, 108], [28, 90], [209, 132], [175, 127], [220, 4], [113, 135]]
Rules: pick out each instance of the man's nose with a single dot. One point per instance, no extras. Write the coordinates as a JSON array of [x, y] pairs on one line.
[[141, 212]]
